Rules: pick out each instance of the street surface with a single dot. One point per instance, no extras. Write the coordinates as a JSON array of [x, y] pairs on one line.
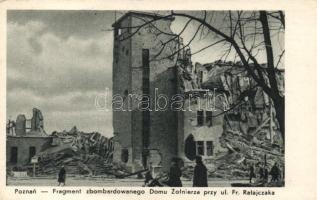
[[103, 182]]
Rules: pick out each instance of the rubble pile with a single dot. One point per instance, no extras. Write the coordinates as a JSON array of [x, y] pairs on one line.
[[243, 151], [250, 130], [80, 153]]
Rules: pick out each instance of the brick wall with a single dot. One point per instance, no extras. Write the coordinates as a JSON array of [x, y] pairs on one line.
[[128, 74], [23, 145]]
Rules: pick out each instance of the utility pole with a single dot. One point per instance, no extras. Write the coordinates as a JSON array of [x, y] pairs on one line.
[[34, 161], [33, 169]]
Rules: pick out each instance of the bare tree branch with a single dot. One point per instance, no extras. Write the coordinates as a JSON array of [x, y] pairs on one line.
[[206, 47], [280, 57]]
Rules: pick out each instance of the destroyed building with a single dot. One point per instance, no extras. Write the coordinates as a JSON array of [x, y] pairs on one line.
[[81, 153], [138, 68], [241, 126], [200, 126], [25, 138], [250, 130], [226, 118], [249, 103]]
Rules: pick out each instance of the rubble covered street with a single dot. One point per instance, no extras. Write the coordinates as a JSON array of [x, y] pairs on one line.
[[106, 182]]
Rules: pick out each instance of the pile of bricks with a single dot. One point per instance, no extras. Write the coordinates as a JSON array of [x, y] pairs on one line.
[[79, 152], [243, 151]]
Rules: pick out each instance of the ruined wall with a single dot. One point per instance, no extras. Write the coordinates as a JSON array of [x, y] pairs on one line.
[[204, 131], [23, 145], [121, 77], [20, 125], [128, 80], [162, 75], [37, 121]]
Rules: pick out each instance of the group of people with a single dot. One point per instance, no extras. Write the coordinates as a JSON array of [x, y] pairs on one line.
[[263, 173], [200, 178], [175, 173]]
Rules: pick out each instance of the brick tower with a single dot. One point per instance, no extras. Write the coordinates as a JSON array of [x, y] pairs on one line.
[[141, 66]]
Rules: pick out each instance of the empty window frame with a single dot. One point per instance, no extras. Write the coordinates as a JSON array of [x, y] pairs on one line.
[[210, 148], [200, 148], [201, 74], [200, 117], [209, 118], [14, 155], [124, 155]]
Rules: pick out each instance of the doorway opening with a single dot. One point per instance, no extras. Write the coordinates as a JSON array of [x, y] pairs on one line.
[[14, 155]]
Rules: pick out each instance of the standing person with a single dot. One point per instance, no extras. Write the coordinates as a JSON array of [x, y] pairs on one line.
[[261, 171], [251, 174], [266, 174], [275, 173], [200, 174], [62, 176], [148, 177], [175, 174]]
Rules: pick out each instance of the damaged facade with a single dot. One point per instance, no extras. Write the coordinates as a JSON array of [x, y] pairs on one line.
[[25, 138], [249, 132], [240, 124], [81, 153], [143, 137]]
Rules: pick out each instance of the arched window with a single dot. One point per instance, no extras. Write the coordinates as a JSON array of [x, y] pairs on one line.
[[190, 147], [125, 155]]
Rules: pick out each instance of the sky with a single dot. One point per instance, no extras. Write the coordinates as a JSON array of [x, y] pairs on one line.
[[59, 61]]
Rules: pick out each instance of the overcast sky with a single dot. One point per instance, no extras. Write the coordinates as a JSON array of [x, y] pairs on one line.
[[58, 61]]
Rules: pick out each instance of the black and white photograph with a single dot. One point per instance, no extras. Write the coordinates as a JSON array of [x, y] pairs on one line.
[[145, 98]]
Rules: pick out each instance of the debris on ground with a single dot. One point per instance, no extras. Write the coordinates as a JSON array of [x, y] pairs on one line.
[[81, 153]]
